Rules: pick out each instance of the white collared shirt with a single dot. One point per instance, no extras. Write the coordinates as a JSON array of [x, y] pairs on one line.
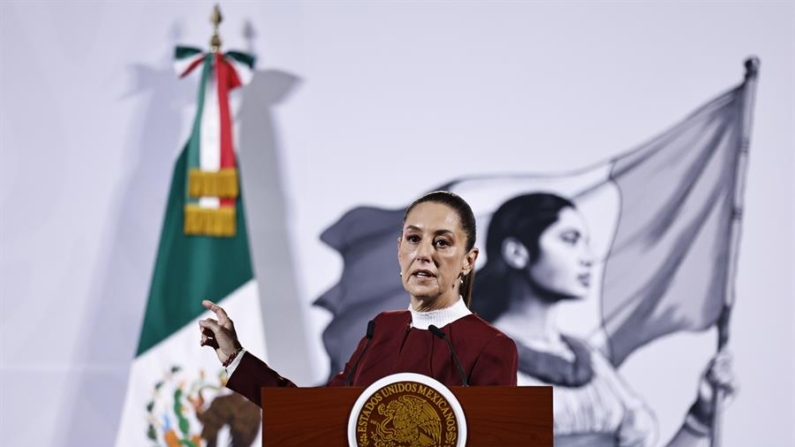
[[439, 317]]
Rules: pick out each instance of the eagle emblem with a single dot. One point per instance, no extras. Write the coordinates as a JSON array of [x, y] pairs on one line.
[[409, 422], [188, 410]]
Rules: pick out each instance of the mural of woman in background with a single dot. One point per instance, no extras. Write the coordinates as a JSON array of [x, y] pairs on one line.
[[538, 255]]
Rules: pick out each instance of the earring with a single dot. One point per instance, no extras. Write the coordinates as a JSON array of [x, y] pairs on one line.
[[401, 274]]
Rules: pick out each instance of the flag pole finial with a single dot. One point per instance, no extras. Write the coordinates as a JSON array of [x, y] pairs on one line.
[[751, 67], [216, 18]]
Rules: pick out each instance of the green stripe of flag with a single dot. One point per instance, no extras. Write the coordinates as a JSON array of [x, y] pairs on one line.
[[191, 268]]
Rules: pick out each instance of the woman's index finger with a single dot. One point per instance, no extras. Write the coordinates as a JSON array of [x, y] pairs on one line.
[[218, 310]]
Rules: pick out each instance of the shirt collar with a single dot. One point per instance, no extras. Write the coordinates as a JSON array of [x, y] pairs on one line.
[[439, 317]]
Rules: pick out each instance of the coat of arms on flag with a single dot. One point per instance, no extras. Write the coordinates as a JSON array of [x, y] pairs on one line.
[[176, 395]]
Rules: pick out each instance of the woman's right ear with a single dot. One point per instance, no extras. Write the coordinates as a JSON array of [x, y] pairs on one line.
[[514, 253]]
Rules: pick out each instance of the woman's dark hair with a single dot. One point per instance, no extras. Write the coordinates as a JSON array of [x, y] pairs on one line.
[[525, 218], [467, 219]]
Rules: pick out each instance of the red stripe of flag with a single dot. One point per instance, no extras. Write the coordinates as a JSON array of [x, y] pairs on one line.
[[225, 83]]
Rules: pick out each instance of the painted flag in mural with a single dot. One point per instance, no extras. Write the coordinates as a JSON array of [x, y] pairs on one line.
[[660, 218], [175, 395]]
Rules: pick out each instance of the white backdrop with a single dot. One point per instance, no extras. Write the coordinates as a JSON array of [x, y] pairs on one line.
[[379, 101]]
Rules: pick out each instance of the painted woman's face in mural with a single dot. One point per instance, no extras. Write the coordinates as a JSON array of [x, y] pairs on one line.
[[432, 255], [565, 257]]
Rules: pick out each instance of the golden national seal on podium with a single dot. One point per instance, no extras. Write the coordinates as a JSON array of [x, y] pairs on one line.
[[407, 410]]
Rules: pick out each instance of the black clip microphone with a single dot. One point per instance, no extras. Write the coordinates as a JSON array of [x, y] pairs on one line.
[[369, 336], [438, 332]]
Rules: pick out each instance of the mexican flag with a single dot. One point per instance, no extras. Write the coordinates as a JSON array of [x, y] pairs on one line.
[[176, 395]]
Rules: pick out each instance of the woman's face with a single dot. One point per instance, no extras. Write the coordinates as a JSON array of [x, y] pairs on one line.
[[433, 256], [565, 257]]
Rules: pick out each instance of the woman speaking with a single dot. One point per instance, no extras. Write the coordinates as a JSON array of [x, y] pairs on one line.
[[436, 253]]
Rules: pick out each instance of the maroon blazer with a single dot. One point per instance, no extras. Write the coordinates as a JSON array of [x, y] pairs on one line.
[[487, 355]]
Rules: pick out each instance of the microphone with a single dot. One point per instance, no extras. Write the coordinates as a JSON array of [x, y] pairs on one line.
[[369, 336], [438, 332]]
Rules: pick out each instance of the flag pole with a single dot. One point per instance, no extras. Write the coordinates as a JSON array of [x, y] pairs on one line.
[[748, 98]]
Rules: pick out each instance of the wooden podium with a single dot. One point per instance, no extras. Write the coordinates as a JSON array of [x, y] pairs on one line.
[[495, 416]]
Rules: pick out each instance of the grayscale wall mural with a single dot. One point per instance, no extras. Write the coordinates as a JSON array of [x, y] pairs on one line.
[[665, 218], [630, 165]]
